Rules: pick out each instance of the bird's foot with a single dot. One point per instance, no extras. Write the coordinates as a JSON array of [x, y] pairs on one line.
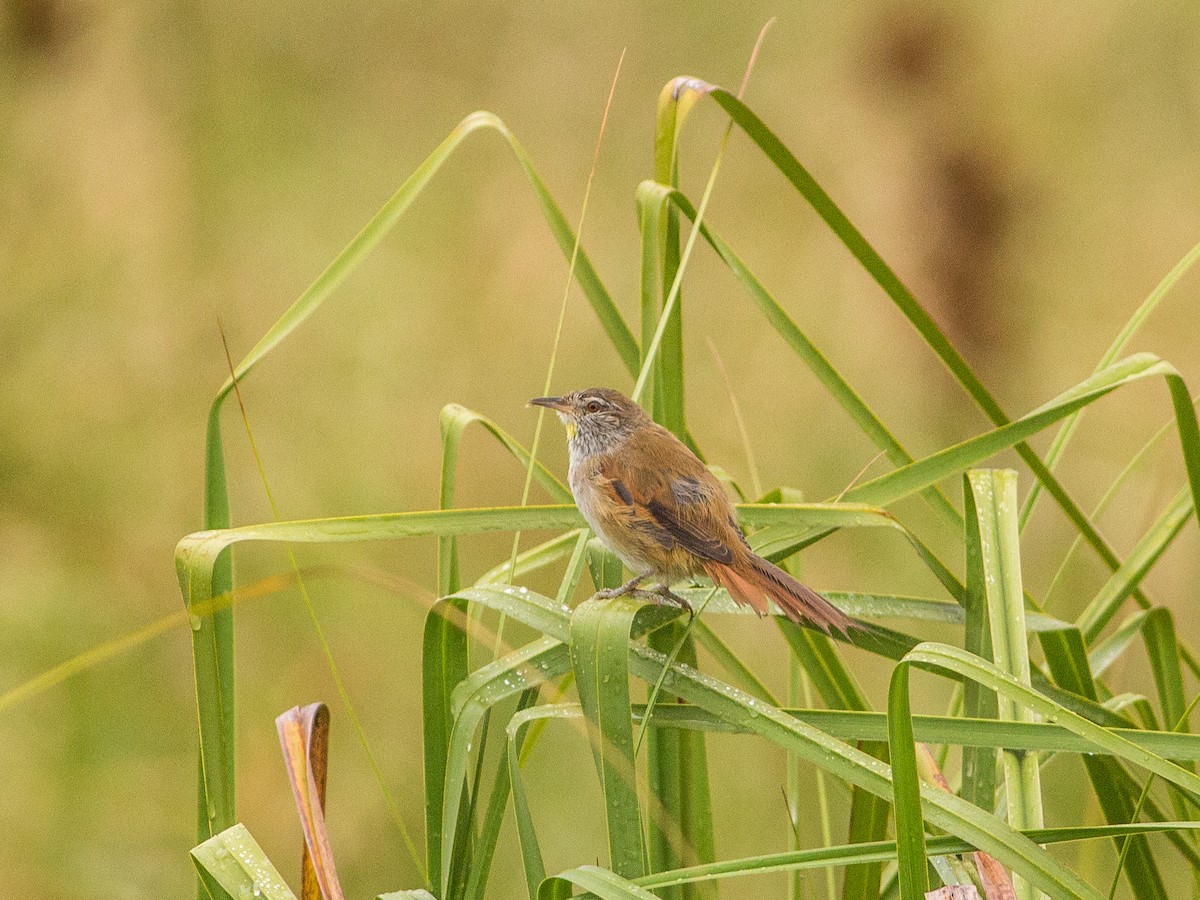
[[629, 587], [664, 593]]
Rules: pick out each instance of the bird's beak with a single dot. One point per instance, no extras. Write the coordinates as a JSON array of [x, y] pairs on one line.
[[554, 403]]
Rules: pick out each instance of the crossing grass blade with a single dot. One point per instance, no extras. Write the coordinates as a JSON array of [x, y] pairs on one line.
[[848, 725], [596, 881], [455, 419], [653, 197], [995, 501], [812, 744], [458, 700], [1124, 581], [213, 641], [234, 863], [859, 854], [599, 645], [790, 167], [1059, 445]]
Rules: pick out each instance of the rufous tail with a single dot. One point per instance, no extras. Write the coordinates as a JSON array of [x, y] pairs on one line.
[[752, 580]]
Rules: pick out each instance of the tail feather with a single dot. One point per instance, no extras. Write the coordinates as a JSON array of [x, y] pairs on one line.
[[752, 580]]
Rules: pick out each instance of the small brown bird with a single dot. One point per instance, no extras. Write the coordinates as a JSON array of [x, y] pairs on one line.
[[654, 504]]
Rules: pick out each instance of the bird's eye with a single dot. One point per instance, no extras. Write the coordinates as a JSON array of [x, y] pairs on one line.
[[594, 406]]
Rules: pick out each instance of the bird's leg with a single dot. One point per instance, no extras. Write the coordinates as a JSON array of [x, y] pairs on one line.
[[664, 591], [629, 587]]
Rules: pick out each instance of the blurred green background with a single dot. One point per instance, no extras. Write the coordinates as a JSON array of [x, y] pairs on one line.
[[1030, 170]]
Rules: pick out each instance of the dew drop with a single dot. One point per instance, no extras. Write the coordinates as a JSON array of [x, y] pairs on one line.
[[195, 622]]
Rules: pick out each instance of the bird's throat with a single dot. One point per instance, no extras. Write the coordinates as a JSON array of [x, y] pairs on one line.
[[570, 431]]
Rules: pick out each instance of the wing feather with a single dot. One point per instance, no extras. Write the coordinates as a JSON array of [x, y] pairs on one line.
[[680, 504]]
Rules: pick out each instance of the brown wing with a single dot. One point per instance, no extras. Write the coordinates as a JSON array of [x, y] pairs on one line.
[[674, 496]]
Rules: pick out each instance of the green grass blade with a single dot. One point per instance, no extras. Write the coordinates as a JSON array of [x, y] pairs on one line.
[[1059, 445], [652, 196], [909, 479], [848, 725], [531, 851], [868, 823], [1162, 648], [911, 858], [533, 559], [952, 659], [443, 666], [1124, 581], [235, 862], [978, 763], [454, 421], [833, 681], [197, 550], [677, 770], [883, 851], [485, 846], [599, 644], [596, 881], [995, 500], [393, 210], [1115, 790], [739, 673], [519, 671]]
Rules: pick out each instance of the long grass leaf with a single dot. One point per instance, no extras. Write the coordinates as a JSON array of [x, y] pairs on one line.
[[1059, 445], [599, 644], [1124, 581], [652, 196], [234, 862], [978, 763], [946, 811], [995, 500], [884, 851], [454, 420]]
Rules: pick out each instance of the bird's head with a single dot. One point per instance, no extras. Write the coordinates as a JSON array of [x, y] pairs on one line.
[[596, 418]]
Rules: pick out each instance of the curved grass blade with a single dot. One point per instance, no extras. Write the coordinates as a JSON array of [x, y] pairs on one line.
[[951, 659], [732, 705], [233, 862], [304, 737], [905, 481], [1124, 581], [1103, 504], [454, 420], [213, 642], [885, 851], [995, 501], [652, 197], [533, 559], [520, 670], [600, 632], [443, 666], [850, 725], [485, 845], [531, 851], [596, 881], [677, 772], [1059, 445]]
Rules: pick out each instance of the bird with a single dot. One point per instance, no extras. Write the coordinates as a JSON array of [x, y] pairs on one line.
[[652, 501]]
